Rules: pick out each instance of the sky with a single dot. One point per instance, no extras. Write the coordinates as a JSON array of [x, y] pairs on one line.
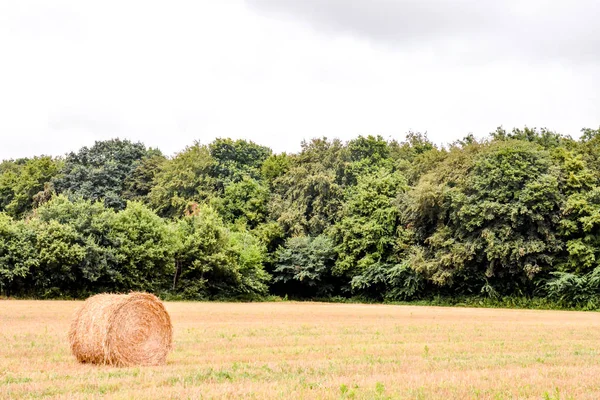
[[280, 71]]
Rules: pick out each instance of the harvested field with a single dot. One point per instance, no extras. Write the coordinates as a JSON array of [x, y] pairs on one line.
[[311, 350]]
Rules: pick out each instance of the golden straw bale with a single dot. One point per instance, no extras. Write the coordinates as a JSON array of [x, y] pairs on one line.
[[121, 330]]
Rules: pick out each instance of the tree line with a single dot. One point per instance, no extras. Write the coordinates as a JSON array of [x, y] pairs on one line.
[[513, 215]]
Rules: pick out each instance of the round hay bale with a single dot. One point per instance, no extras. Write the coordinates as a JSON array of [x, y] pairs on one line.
[[121, 330]]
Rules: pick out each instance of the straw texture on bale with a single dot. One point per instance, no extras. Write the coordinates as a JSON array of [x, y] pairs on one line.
[[121, 330]]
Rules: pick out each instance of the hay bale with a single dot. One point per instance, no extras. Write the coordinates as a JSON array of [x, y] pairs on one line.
[[121, 330]]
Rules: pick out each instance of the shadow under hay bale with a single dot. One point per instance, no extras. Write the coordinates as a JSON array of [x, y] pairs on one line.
[[121, 330]]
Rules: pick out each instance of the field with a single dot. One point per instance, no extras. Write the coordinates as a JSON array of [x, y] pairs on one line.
[[310, 350]]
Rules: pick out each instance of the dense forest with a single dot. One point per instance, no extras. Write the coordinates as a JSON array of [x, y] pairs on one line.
[[515, 215]]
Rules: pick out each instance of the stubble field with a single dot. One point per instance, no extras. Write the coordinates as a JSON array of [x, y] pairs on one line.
[[323, 351]]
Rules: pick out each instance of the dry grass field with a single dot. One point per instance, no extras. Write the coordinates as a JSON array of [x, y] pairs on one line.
[[316, 351]]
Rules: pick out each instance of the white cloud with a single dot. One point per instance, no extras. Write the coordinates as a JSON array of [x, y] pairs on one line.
[[169, 73]]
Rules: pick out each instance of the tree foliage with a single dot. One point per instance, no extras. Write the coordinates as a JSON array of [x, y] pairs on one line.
[[514, 214], [100, 172], [305, 264], [497, 224], [183, 180], [237, 159], [212, 261], [23, 182], [308, 196], [368, 231]]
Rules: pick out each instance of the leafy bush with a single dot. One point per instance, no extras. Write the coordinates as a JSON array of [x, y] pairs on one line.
[[575, 290]]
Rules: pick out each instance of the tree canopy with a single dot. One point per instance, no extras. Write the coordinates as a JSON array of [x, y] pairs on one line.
[[514, 214]]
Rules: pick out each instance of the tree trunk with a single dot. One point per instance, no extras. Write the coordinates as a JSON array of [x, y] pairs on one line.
[[177, 273]]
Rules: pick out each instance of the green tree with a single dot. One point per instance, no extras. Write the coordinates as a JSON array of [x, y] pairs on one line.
[[9, 174], [18, 256], [368, 234], [308, 197], [543, 137], [275, 166], [21, 183], [497, 227], [93, 224], [139, 183], [100, 172], [580, 214], [248, 255], [304, 267], [512, 214], [199, 254], [245, 201], [212, 261], [236, 159], [182, 181], [61, 253], [144, 249], [366, 156], [589, 147], [415, 156]]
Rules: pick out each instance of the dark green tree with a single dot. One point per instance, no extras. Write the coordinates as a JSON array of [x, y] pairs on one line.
[[138, 185], [100, 172], [304, 267], [236, 159], [496, 227]]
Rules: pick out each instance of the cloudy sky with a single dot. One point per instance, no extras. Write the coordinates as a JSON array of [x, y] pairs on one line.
[[279, 71]]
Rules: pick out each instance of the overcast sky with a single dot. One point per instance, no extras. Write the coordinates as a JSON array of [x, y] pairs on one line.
[[279, 71]]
